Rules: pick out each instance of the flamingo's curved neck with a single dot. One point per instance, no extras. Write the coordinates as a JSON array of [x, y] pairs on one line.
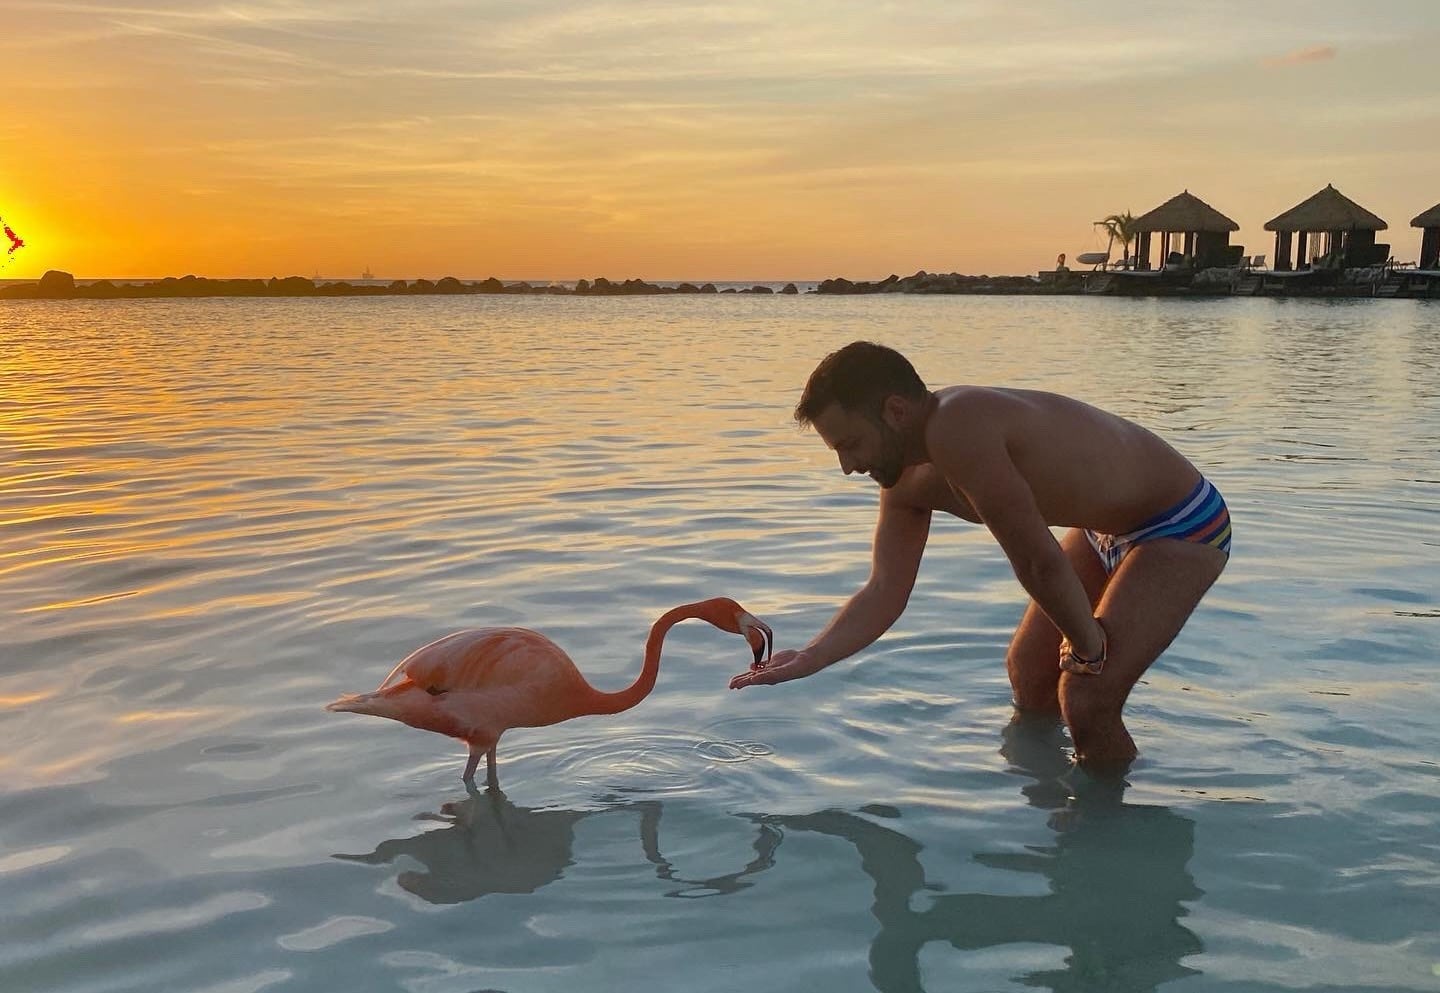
[[614, 703]]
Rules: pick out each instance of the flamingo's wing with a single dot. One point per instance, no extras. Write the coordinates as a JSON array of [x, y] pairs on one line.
[[478, 659]]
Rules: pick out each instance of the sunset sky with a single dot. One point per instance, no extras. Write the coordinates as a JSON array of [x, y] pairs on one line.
[[561, 139]]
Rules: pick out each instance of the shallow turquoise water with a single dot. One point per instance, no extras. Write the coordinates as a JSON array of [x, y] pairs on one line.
[[217, 515]]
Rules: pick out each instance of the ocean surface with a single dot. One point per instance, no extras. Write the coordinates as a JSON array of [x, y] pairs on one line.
[[218, 515]]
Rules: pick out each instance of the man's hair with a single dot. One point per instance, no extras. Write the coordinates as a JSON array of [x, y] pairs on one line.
[[858, 377]]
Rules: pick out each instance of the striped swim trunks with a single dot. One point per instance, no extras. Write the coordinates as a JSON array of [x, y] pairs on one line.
[[1201, 517]]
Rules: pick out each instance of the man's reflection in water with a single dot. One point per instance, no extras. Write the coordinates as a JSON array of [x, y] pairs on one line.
[[1116, 872], [490, 845]]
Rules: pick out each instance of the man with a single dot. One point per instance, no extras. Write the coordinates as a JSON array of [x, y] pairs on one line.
[[1147, 534]]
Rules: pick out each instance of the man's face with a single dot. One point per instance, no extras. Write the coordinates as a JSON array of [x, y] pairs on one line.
[[862, 444]]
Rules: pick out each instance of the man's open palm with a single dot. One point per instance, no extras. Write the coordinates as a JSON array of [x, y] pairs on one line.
[[782, 667]]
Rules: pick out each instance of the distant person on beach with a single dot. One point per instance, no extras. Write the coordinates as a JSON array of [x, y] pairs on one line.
[[1147, 533]]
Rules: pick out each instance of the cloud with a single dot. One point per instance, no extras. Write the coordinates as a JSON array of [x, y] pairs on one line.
[[1303, 56]]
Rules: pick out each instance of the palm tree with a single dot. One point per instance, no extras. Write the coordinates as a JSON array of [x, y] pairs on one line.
[[1120, 227]]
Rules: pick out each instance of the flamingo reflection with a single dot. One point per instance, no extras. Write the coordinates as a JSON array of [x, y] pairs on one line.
[[1117, 875], [491, 845]]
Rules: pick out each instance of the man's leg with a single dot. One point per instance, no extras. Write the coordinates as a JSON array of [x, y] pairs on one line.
[[1146, 603], [1033, 660]]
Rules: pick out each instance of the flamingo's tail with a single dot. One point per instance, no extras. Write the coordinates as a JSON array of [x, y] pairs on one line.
[[350, 703]]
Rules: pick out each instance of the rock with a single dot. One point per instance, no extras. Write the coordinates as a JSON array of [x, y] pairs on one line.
[[789, 290], [56, 284], [291, 286], [101, 289], [449, 284]]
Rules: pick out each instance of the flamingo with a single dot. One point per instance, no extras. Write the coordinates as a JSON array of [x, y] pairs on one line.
[[475, 685]]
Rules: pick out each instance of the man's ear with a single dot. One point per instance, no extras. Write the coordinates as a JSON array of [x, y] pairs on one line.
[[895, 411]]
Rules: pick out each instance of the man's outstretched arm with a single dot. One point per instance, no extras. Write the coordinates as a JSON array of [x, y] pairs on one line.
[[900, 535]]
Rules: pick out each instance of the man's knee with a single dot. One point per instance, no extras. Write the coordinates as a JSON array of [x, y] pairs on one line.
[[1032, 688], [1036, 704]]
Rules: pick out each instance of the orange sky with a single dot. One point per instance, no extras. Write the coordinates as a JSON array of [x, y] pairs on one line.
[[559, 139]]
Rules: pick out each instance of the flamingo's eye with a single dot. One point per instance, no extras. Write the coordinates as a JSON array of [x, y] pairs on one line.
[[435, 690]]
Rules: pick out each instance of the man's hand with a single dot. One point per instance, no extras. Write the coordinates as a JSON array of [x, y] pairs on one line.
[[782, 667]]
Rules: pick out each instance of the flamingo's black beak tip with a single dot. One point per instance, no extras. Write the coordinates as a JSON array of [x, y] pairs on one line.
[[766, 645]]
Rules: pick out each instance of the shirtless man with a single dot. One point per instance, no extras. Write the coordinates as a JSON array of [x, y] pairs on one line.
[[1147, 534]]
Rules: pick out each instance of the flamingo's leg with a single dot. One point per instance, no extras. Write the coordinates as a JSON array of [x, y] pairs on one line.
[[477, 749]]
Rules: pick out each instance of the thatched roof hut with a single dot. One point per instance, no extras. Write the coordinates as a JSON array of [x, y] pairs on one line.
[[1429, 219], [1430, 240], [1328, 210], [1349, 231], [1184, 212], [1206, 231]]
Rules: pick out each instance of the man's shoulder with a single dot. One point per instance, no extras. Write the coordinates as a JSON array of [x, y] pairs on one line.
[[964, 393], [971, 406], [967, 395], [971, 435], [968, 417]]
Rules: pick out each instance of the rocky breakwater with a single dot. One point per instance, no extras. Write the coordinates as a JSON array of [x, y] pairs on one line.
[[55, 285], [931, 282]]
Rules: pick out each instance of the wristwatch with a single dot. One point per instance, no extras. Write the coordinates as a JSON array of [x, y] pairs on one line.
[[1070, 661]]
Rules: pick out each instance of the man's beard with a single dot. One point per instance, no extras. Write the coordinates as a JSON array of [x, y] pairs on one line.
[[890, 466]]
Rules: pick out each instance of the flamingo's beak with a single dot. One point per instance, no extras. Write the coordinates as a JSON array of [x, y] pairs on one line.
[[760, 637]]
